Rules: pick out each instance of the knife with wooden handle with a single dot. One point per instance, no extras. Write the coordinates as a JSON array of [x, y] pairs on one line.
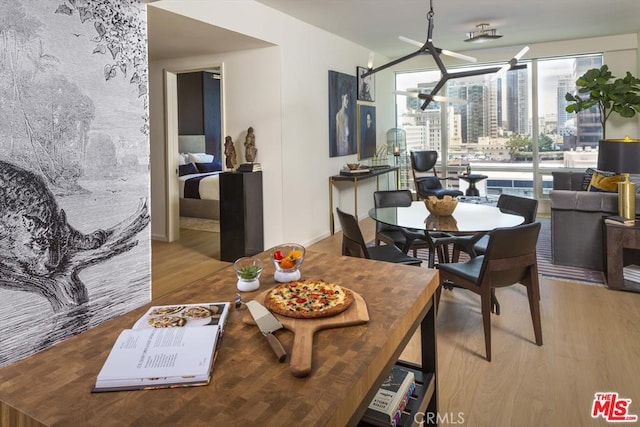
[[267, 323]]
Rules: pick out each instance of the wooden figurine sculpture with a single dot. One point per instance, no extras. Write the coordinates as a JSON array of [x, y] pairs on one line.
[[250, 146], [230, 153]]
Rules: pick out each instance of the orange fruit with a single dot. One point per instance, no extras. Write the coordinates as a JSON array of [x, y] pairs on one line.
[[287, 263]]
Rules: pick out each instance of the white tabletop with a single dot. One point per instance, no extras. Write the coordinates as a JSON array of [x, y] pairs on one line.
[[466, 218]]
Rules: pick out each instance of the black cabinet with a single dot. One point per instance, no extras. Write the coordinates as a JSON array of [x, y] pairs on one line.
[[241, 220], [199, 108]]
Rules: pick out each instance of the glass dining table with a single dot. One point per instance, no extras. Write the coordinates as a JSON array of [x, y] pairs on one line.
[[469, 219]]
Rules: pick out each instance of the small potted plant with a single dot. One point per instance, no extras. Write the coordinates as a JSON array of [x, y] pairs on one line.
[[248, 270], [599, 87]]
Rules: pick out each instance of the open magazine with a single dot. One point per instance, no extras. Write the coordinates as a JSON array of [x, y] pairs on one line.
[[170, 346]]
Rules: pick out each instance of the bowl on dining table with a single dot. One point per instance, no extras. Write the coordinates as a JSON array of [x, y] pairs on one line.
[[353, 166], [287, 259], [441, 207]]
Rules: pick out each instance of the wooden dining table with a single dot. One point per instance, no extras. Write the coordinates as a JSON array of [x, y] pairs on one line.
[[249, 386]]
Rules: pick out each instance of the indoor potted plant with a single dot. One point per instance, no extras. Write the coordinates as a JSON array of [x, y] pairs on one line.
[[248, 270], [612, 95], [599, 87]]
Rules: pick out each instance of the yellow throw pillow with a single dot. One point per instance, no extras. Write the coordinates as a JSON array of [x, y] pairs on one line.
[[601, 182]]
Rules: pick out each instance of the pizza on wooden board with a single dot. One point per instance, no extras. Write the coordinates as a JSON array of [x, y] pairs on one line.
[[308, 299]]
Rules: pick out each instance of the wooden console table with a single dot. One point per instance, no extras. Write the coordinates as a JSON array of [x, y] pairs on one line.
[[356, 179], [619, 238], [249, 386]]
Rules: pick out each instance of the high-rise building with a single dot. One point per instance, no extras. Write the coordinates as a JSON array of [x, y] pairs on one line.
[[517, 101], [588, 127]]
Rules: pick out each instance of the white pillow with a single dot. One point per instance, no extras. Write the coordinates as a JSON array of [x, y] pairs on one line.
[[200, 157], [183, 159]]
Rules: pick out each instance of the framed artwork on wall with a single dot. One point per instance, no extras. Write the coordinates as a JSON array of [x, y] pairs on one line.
[[342, 114], [366, 131], [366, 85]]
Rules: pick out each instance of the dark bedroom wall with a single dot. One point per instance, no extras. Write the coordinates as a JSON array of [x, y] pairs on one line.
[[199, 108]]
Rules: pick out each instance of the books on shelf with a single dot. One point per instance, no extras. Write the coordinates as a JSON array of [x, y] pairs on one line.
[[169, 346], [249, 167], [618, 220], [386, 407]]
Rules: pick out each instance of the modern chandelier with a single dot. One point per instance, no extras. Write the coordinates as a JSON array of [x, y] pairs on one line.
[[435, 52]]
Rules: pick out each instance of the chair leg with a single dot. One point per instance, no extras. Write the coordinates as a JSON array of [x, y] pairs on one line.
[[485, 301], [432, 258], [534, 306]]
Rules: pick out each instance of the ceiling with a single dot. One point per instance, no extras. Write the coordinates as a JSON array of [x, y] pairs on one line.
[[376, 24], [175, 36]]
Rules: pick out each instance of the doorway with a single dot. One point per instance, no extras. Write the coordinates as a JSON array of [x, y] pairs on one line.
[[173, 146]]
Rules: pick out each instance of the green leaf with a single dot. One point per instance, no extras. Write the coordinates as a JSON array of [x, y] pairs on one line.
[[249, 272], [610, 94]]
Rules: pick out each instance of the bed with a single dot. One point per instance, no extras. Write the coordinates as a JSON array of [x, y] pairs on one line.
[[198, 174]]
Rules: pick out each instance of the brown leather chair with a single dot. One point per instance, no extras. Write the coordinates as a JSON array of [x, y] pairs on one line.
[[510, 259], [353, 244], [425, 178]]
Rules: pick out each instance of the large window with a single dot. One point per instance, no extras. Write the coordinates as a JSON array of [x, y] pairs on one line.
[[513, 129]]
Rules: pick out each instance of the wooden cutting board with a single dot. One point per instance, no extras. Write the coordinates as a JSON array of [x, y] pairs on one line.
[[300, 356]]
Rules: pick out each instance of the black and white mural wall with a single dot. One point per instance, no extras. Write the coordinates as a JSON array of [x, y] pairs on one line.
[[74, 173]]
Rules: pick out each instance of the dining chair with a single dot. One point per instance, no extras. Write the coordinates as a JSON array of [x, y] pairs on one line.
[[436, 242], [425, 178], [507, 203], [401, 237], [510, 259], [353, 244]]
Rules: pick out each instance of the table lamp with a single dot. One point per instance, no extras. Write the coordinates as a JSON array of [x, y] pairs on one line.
[[622, 156]]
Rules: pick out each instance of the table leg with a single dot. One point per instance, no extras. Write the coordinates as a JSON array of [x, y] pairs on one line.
[[331, 219], [355, 197]]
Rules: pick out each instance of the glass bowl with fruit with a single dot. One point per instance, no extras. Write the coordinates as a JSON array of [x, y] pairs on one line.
[[248, 270], [287, 259]]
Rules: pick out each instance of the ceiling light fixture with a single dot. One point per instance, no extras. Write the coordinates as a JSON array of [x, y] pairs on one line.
[[429, 48], [483, 34]]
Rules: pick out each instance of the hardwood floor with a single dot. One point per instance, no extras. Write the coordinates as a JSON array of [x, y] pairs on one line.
[[591, 344], [179, 263]]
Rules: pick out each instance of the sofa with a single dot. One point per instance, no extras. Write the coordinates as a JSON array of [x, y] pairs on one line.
[[577, 227]]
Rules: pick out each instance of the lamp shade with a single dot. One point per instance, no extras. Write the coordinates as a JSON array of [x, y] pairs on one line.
[[619, 155]]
